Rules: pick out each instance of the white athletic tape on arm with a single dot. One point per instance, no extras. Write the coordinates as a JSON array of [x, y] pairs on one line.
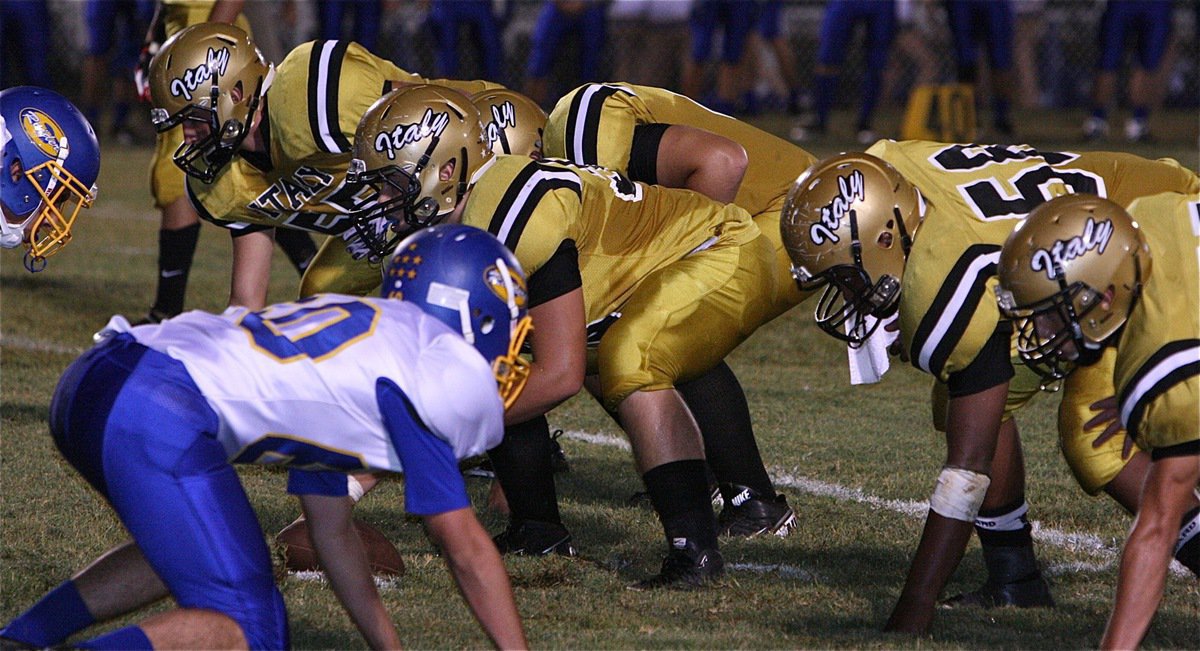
[[959, 494], [354, 489]]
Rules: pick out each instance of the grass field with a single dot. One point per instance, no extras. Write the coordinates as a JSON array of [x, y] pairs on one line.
[[856, 464]]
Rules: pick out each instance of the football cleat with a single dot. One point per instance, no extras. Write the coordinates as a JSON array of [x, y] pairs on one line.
[[534, 538], [749, 514], [686, 567], [1032, 592]]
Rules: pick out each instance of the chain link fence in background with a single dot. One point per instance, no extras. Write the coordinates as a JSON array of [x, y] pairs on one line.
[[1056, 47]]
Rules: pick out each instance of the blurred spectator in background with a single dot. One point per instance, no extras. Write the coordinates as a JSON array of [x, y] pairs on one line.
[[915, 38], [1031, 27], [878, 18], [768, 38], [657, 31], [989, 21], [583, 21], [736, 19], [364, 27], [448, 17], [1150, 22], [114, 34], [24, 40]]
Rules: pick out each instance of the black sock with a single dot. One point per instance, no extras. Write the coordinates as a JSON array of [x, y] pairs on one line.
[[298, 245], [526, 472], [175, 252], [679, 492], [718, 403], [1007, 540], [1188, 552]]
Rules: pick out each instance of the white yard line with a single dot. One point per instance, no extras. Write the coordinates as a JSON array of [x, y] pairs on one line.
[[1106, 555], [25, 343]]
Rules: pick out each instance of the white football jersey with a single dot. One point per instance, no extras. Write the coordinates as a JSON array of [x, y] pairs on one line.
[[295, 384]]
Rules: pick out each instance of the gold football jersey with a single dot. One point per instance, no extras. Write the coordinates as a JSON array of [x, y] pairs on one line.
[[622, 230], [321, 90], [594, 125], [974, 195], [1158, 360]]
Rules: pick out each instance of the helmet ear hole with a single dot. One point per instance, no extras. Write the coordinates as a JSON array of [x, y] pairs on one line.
[[487, 325], [885, 240], [237, 93]]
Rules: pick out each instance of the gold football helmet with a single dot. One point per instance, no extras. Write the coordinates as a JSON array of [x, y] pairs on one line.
[[848, 224], [512, 123], [210, 74], [1070, 274], [420, 148]]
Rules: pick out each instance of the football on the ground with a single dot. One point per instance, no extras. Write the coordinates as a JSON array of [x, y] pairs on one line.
[[299, 555]]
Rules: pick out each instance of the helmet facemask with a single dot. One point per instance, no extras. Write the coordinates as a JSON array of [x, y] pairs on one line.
[[1050, 336], [849, 297], [63, 196], [206, 157]]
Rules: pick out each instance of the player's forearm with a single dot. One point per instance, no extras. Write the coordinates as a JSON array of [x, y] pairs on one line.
[[226, 11], [1140, 583], [546, 389], [943, 542], [345, 562], [480, 575], [251, 271]]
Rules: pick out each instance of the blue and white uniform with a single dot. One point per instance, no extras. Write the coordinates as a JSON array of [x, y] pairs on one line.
[[154, 416]]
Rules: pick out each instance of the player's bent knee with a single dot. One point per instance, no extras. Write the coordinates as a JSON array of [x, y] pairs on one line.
[[959, 493]]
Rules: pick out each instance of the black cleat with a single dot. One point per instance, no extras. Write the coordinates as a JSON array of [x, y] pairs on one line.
[[1033, 592], [748, 514], [534, 538], [686, 567]]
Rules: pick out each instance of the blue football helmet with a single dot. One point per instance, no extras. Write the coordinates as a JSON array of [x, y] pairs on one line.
[[51, 160], [467, 279]]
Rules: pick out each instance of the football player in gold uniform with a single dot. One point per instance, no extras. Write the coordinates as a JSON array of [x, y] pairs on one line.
[[659, 137], [267, 148], [180, 227], [851, 225], [1081, 274], [669, 278], [512, 123]]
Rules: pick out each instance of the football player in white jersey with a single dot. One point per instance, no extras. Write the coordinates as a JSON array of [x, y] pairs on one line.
[[154, 417]]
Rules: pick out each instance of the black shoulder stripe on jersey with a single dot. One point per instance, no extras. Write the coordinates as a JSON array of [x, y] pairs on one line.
[[324, 79], [948, 317], [558, 276], [1168, 366], [236, 229], [583, 121], [523, 195]]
